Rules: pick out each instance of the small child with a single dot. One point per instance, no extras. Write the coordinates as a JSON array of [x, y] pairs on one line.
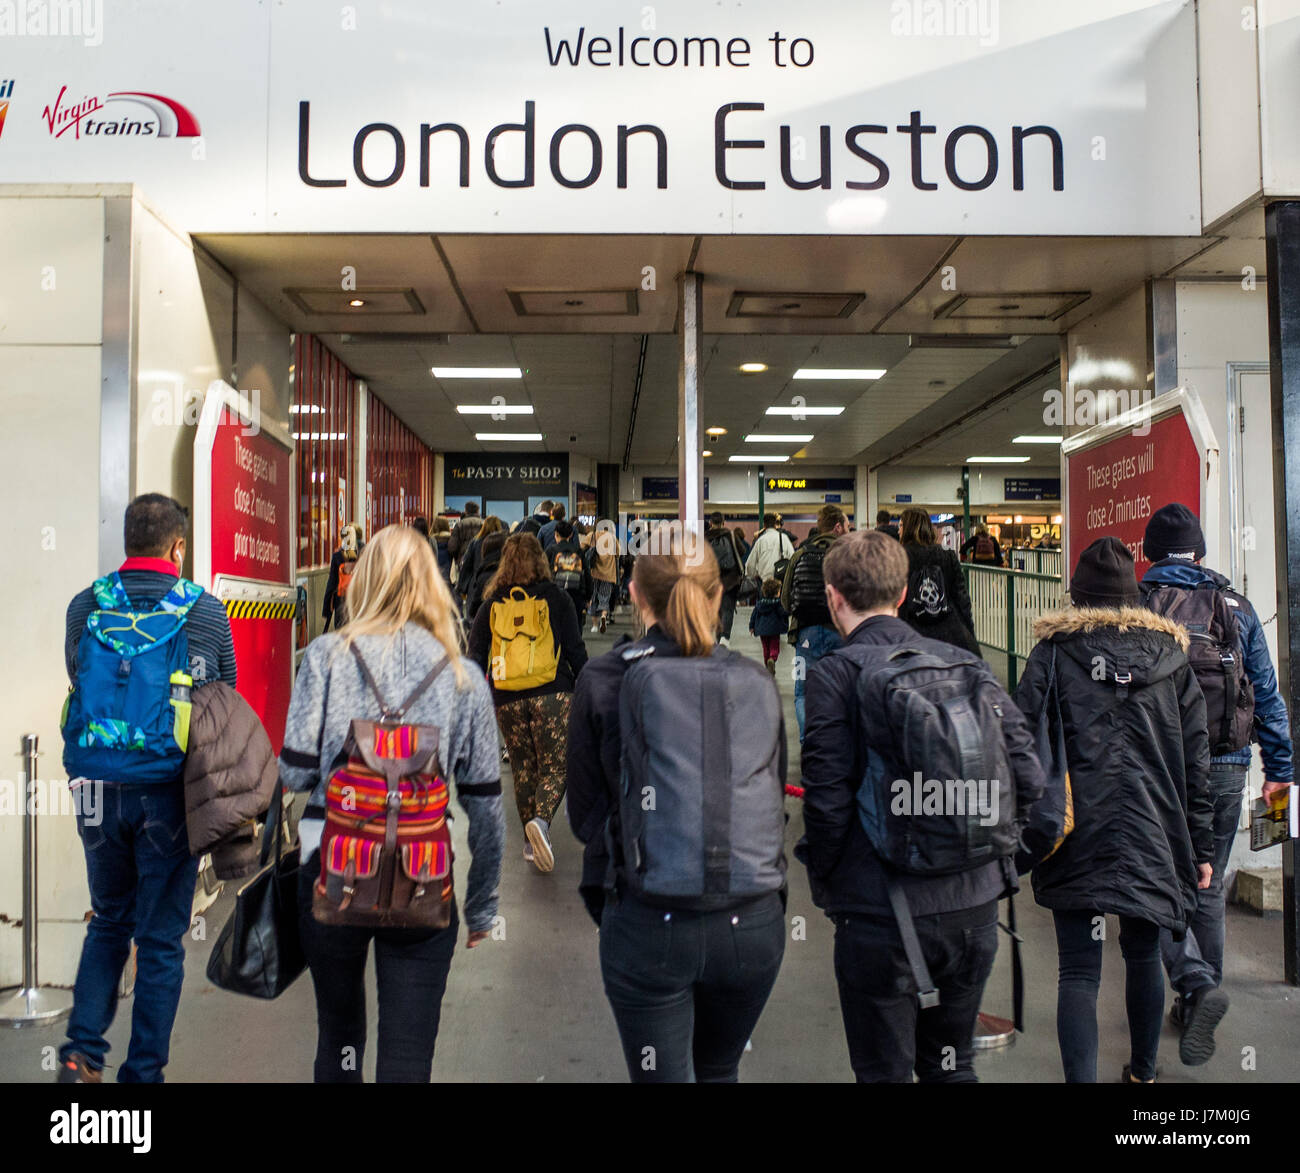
[[769, 622]]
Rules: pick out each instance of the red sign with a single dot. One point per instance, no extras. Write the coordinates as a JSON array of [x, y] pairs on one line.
[[250, 540], [250, 504], [1118, 484]]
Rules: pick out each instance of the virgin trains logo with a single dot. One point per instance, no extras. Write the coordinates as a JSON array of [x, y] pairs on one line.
[[120, 113]]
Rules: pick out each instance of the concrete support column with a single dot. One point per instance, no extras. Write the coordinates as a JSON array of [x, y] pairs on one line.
[[690, 426], [1162, 334], [864, 498], [1282, 231], [607, 491]]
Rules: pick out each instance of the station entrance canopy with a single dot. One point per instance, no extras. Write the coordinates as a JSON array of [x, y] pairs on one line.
[[979, 117]]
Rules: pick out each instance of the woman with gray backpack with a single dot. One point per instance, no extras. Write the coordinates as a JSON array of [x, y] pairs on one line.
[[676, 762]]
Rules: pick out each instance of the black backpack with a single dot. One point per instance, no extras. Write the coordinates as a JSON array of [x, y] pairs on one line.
[[1216, 656], [724, 550], [700, 818], [938, 794], [927, 595]]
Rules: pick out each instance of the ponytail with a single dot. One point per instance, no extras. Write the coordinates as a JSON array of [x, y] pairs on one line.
[[691, 618], [684, 593]]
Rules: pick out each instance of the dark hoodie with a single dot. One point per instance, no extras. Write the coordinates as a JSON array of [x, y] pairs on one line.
[[1138, 755]]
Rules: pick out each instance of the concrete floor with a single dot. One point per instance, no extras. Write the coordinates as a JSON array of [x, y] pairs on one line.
[[531, 1007]]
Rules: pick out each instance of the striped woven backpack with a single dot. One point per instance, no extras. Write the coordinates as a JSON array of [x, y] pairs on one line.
[[386, 849]]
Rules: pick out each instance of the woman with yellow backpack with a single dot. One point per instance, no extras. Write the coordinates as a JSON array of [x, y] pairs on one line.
[[527, 639]]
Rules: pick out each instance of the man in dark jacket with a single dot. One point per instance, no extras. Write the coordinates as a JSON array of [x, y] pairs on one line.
[[546, 535], [138, 861], [566, 558], [462, 534], [886, 523], [803, 595], [534, 523], [1175, 544], [955, 916], [730, 569], [485, 568]]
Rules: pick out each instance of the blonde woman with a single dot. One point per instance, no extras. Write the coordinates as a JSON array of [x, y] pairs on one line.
[[403, 622]]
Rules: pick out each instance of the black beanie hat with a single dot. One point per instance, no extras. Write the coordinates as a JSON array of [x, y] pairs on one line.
[[1104, 576], [1174, 532]]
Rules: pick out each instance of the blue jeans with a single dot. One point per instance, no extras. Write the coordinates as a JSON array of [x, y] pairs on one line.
[[811, 644], [687, 988], [142, 879], [1197, 960], [1080, 952]]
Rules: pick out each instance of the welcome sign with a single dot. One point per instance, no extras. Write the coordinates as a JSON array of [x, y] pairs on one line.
[[849, 116]]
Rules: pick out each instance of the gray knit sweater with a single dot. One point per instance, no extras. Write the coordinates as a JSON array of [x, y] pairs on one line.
[[329, 693]]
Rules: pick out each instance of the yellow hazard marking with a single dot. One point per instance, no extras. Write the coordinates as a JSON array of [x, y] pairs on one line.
[[249, 609]]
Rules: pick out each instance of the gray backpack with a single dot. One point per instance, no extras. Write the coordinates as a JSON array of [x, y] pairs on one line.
[[700, 821]]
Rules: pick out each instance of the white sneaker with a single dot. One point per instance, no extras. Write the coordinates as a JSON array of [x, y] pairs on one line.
[[725, 642], [528, 853], [595, 630], [543, 857]]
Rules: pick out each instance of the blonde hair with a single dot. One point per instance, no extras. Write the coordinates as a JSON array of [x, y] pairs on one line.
[[684, 593], [397, 582]]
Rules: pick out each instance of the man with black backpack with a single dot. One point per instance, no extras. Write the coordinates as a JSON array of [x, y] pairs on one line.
[[569, 567], [1231, 663], [918, 774], [803, 595], [730, 570], [125, 732]]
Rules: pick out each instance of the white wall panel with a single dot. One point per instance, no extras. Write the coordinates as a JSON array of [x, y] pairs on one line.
[[1228, 58], [48, 496], [51, 259]]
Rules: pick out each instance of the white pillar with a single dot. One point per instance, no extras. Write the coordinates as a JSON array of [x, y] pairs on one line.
[[690, 427]]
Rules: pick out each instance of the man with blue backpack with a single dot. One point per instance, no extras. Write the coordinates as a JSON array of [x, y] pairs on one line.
[[139, 640], [1230, 660], [919, 773]]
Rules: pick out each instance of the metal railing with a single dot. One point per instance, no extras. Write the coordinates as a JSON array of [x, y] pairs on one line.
[[1035, 559], [1005, 604]]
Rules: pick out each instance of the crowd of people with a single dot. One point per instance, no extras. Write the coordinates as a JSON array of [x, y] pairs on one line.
[[1114, 778]]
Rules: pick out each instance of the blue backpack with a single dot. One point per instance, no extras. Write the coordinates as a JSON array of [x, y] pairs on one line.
[[127, 717]]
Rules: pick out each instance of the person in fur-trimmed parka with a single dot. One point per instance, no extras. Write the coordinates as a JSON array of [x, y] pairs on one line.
[[1138, 753]]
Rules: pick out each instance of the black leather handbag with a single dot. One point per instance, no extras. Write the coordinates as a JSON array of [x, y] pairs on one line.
[[258, 951]]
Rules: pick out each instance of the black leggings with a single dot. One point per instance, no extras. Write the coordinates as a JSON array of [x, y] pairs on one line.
[[411, 966], [1079, 940]]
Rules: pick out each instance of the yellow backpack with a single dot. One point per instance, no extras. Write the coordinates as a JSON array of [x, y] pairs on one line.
[[523, 647]]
